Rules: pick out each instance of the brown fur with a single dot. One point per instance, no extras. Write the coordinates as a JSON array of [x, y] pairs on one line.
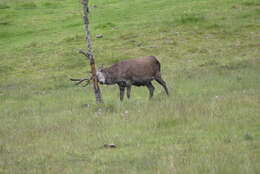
[[137, 72]]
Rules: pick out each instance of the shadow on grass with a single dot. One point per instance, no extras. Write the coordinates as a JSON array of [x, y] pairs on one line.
[[51, 5], [250, 3], [4, 6], [105, 25], [26, 5], [191, 19]]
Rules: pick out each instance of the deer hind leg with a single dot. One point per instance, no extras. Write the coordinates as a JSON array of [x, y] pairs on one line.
[[150, 88], [128, 91], [159, 79]]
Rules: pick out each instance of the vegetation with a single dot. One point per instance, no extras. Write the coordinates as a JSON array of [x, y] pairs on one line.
[[209, 51]]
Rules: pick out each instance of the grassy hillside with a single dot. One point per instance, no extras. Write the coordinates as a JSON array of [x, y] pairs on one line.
[[209, 52]]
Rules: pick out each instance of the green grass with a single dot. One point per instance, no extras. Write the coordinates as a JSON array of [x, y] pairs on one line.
[[209, 52]]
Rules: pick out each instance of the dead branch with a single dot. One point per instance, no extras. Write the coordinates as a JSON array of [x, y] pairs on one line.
[[79, 81], [89, 53], [84, 53]]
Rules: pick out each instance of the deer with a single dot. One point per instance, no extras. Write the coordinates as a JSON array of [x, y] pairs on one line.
[[133, 72], [127, 73]]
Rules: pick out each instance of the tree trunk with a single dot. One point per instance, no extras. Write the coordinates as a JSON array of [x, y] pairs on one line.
[[89, 53]]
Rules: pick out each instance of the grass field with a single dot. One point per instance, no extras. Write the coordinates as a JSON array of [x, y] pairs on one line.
[[210, 57]]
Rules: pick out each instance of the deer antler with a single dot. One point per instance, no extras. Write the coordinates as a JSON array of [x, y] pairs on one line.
[[79, 81]]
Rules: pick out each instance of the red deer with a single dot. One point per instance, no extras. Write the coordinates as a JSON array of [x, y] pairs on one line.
[[137, 72]]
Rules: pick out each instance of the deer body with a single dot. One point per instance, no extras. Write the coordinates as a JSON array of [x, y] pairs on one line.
[[137, 72]]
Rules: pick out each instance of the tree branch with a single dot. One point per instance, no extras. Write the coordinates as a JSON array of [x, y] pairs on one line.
[[79, 81], [89, 53], [84, 53]]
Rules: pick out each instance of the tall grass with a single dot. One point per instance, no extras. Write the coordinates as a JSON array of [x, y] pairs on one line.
[[209, 54]]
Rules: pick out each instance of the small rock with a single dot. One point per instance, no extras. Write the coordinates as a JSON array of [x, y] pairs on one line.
[[99, 36], [168, 41], [248, 136], [139, 44], [109, 145], [235, 6], [94, 6], [99, 111], [152, 46], [86, 105]]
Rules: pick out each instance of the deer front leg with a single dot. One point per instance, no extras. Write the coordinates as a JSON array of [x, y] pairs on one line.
[[122, 92]]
